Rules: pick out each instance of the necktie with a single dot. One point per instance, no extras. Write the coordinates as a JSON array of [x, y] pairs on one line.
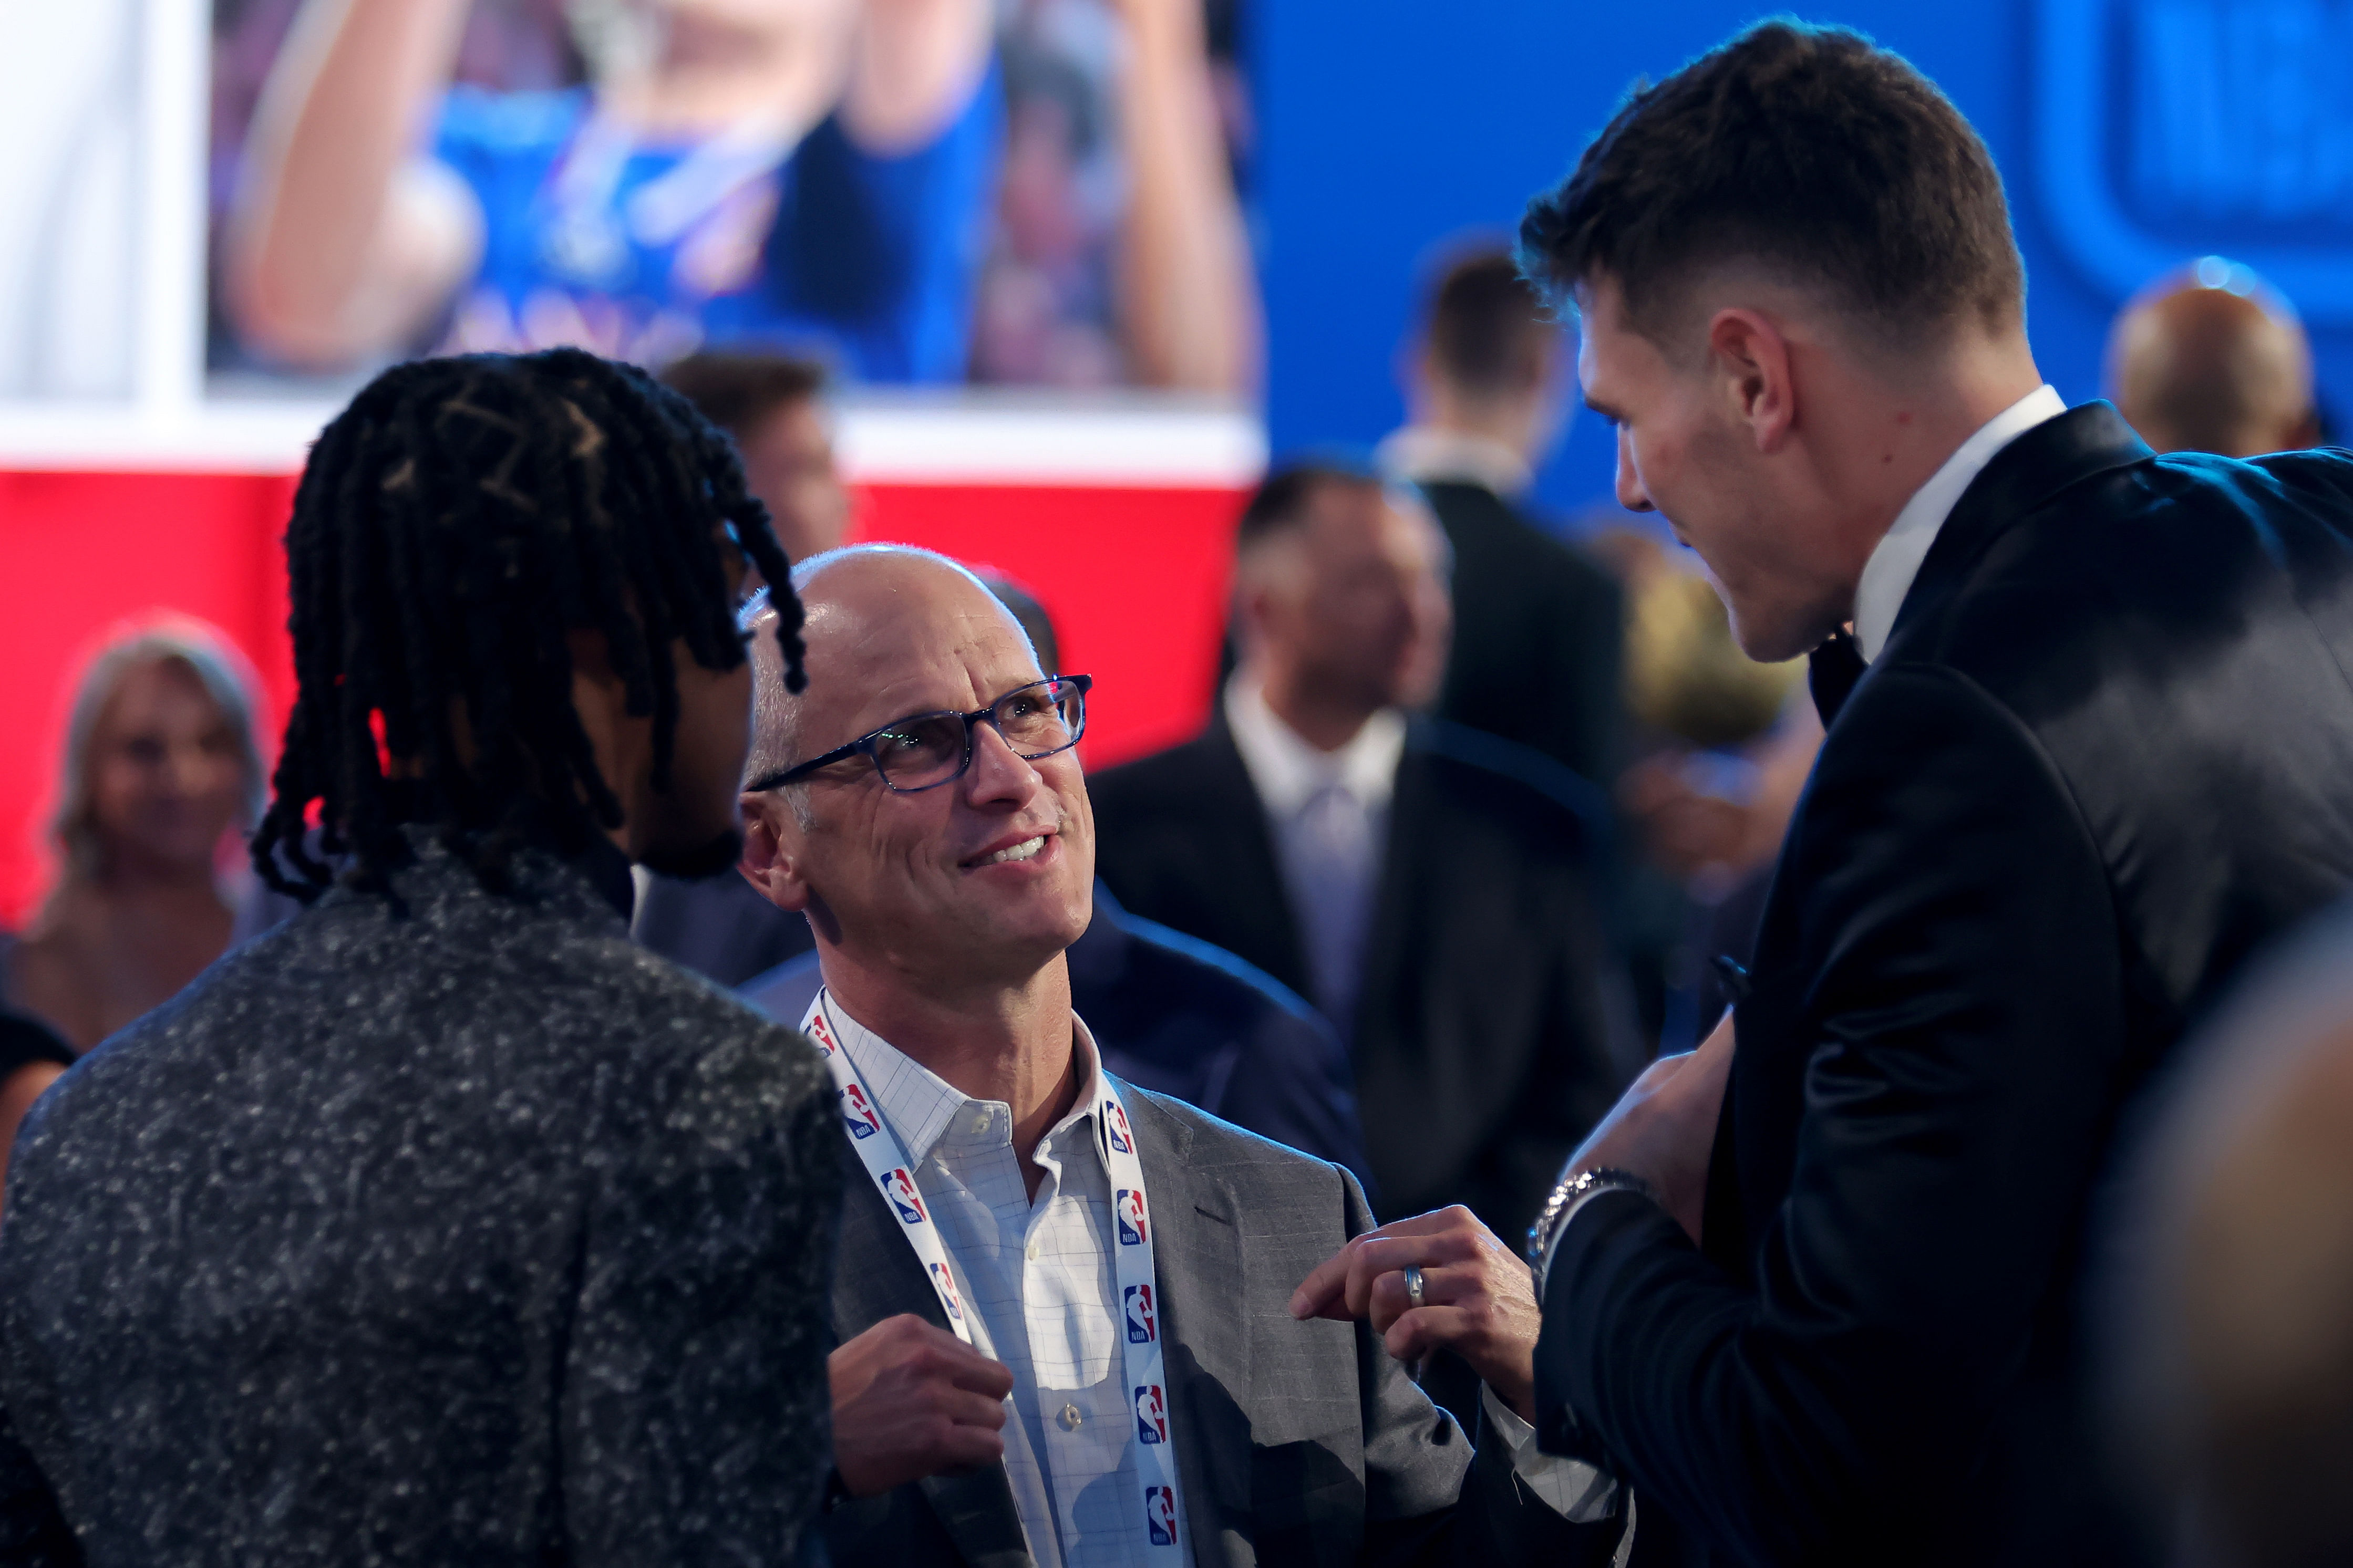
[[1831, 672], [1333, 861]]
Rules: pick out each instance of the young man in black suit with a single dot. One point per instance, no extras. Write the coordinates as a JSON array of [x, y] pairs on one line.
[[1419, 883], [2090, 741], [1539, 628]]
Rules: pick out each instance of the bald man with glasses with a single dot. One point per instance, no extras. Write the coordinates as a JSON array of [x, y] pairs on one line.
[[1064, 1303]]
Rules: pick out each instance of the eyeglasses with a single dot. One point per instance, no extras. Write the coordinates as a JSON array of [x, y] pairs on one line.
[[924, 751]]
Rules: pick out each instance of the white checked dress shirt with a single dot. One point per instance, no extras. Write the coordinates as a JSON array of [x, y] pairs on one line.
[[1037, 1283], [1329, 812]]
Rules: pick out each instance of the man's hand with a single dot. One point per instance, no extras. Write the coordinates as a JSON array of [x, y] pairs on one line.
[[1663, 1130], [911, 1400], [1479, 1300]]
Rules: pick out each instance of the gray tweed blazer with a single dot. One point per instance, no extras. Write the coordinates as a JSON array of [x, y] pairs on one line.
[[435, 1228]]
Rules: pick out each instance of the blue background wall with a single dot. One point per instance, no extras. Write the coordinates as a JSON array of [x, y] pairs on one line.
[[1390, 126]]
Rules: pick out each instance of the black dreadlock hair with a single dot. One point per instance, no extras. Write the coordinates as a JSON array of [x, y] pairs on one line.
[[451, 526]]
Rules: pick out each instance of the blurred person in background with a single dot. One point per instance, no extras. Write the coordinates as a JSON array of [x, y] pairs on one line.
[[1416, 880], [1721, 746], [1538, 642], [1120, 255], [439, 1218], [163, 780], [2230, 1304], [2213, 360], [1172, 1014], [744, 172], [775, 407]]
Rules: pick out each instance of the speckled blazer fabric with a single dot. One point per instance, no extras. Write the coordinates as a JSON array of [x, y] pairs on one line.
[[444, 1229]]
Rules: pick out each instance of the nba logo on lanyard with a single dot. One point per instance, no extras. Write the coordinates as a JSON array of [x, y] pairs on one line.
[[857, 1114], [878, 1146], [948, 1296], [814, 1028], [1151, 1415], [1140, 1330], [899, 1188]]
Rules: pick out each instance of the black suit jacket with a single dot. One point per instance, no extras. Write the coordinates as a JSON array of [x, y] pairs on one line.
[[431, 1227], [1539, 635], [1297, 1444], [1489, 1036], [2108, 751]]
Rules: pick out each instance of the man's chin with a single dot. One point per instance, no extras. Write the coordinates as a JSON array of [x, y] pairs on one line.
[[695, 863]]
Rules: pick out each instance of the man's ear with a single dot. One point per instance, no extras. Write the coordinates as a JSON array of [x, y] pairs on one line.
[[1751, 361], [773, 846]]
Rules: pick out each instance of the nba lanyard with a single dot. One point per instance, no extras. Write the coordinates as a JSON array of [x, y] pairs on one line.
[[887, 1164]]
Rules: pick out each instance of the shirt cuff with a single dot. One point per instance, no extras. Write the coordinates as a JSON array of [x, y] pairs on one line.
[[1560, 1228], [1572, 1489]]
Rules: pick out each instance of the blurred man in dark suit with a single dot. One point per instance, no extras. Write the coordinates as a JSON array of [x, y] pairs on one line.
[[1539, 628], [1411, 878], [2088, 739]]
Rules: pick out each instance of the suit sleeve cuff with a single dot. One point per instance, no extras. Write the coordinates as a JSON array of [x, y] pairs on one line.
[[1578, 1492]]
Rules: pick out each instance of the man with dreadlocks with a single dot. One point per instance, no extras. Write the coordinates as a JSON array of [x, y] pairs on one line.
[[441, 1225]]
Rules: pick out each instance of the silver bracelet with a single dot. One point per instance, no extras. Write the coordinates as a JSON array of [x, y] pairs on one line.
[[1565, 1198]]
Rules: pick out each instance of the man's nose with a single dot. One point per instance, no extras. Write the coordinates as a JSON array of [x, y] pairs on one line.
[[1631, 493], [998, 772]]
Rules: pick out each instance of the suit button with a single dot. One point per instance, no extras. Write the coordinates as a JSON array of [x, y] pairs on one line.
[[1070, 1417]]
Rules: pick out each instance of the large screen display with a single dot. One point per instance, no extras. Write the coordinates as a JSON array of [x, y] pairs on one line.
[[289, 194]]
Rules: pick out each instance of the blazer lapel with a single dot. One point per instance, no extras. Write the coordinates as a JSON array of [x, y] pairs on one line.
[[1205, 1344], [2087, 440], [877, 1275]]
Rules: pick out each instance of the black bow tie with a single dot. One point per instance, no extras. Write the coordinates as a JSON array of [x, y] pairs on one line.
[[1831, 670]]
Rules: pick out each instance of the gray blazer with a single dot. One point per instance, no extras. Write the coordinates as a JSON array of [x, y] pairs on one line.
[[1296, 1443]]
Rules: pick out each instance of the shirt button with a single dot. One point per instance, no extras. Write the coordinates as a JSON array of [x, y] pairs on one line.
[[1033, 1252], [1070, 1417]]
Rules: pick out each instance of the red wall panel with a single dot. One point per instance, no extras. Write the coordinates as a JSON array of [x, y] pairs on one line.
[[1135, 578]]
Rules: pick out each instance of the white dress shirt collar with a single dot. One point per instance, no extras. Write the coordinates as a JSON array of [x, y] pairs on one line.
[[1887, 575], [1428, 455], [923, 1108], [1287, 772]]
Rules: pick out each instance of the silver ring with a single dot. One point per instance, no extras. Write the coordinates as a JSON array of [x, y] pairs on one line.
[[1413, 1284]]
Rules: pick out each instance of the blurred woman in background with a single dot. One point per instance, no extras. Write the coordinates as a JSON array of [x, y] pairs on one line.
[[163, 780]]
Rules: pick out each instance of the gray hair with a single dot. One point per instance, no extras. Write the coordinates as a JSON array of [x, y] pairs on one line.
[[225, 678]]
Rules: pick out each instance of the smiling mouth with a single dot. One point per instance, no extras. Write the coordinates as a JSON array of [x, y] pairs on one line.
[[1024, 850]]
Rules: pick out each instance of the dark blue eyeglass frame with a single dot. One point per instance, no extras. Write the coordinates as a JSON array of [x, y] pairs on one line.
[[1060, 690]]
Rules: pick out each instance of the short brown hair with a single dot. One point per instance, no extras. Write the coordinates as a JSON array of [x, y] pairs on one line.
[[736, 391], [1810, 150], [1489, 331]]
